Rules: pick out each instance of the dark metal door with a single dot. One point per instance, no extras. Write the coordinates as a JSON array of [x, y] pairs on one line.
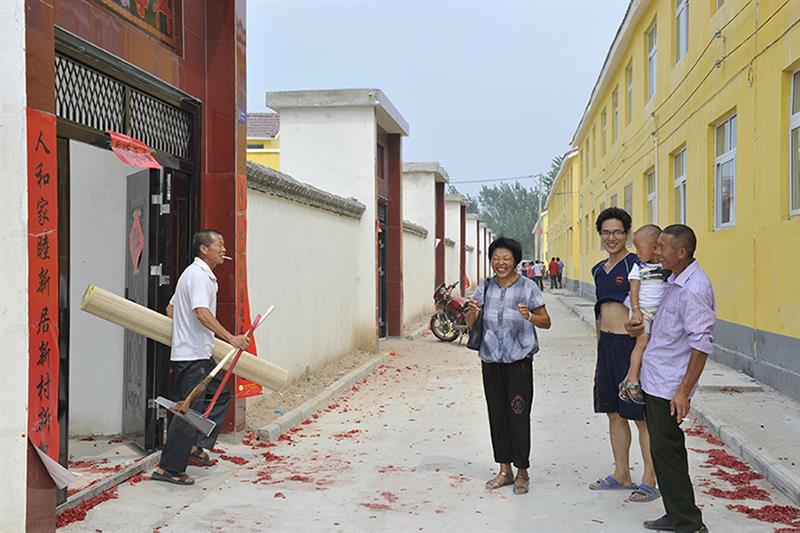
[[382, 260], [147, 282]]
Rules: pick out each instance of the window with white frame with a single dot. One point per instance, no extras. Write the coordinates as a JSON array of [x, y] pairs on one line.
[[725, 174], [603, 132], [652, 207], [651, 62], [681, 28], [587, 155], [629, 89], [679, 174], [613, 201], [794, 147], [628, 198], [614, 115], [594, 146]]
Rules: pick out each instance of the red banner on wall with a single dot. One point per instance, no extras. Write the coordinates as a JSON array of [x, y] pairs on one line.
[[244, 387], [132, 151], [43, 351]]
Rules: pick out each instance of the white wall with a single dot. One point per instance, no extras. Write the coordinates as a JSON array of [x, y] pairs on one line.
[[300, 259], [419, 259], [334, 149], [98, 240], [418, 276], [472, 240], [452, 231], [13, 269]]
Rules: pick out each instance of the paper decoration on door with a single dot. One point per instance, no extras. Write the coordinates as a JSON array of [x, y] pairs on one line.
[[132, 151]]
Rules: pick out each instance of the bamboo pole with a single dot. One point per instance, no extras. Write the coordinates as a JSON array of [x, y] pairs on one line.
[[158, 327]]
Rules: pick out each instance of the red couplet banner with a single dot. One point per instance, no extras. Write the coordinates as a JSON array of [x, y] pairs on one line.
[[244, 387], [132, 151], [43, 351]]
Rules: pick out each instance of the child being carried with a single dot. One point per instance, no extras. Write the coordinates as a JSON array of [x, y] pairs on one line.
[[647, 281]]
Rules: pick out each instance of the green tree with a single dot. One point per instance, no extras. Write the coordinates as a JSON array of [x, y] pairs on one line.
[[472, 205], [550, 177], [511, 210]]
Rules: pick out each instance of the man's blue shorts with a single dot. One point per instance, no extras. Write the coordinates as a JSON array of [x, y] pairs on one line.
[[613, 359]]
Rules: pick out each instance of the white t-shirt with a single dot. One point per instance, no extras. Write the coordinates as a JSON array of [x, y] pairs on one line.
[[197, 287], [538, 269], [653, 282]]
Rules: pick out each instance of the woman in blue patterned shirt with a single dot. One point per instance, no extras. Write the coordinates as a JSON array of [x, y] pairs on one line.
[[512, 305]]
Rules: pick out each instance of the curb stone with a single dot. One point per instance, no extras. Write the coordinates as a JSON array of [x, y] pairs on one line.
[[117, 478], [293, 417], [781, 477], [778, 475]]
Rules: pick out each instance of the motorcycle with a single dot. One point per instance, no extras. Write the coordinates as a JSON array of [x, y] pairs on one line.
[[449, 322]]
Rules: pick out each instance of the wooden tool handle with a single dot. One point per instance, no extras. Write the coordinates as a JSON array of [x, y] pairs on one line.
[[199, 389]]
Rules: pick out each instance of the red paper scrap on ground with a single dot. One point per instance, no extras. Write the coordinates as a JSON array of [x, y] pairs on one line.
[[43, 282], [132, 151]]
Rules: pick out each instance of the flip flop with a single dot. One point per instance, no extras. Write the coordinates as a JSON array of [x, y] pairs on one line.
[[177, 479], [647, 492], [609, 483]]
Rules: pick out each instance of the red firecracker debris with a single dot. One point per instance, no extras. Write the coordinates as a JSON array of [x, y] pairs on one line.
[[773, 514], [390, 497], [87, 438], [378, 506], [347, 434], [718, 457], [740, 479], [77, 514], [279, 495], [235, 459], [218, 450], [746, 492], [269, 456], [303, 479]]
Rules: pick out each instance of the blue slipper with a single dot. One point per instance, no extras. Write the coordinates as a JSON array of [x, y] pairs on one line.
[[647, 492], [609, 483]]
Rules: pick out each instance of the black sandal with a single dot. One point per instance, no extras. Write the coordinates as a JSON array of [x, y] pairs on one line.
[[202, 457], [177, 479]]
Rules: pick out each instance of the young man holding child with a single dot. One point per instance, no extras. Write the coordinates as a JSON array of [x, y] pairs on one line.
[[614, 347]]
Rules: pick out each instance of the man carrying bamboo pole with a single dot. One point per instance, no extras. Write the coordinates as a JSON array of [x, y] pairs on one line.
[[193, 308]]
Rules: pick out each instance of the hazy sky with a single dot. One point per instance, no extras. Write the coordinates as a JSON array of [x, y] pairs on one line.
[[490, 89]]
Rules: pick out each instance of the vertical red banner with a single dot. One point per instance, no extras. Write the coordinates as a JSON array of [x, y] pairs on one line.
[[244, 387], [43, 351]]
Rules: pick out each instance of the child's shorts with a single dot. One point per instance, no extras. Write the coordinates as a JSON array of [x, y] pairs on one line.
[[648, 314]]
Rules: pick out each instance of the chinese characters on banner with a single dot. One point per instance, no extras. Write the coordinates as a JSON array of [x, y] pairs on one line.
[[244, 387], [43, 282], [132, 151]]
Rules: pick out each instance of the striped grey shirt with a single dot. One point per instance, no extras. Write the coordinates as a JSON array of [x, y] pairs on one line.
[[507, 337]]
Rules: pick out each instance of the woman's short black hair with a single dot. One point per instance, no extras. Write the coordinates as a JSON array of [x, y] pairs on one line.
[[507, 244], [610, 213]]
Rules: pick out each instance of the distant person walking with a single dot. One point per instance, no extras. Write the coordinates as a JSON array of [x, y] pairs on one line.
[[552, 271], [680, 341], [538, 274], [560, 272]]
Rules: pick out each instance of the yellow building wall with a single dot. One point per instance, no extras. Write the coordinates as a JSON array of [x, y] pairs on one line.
[[562, 217], [269, 155], [746, 70]]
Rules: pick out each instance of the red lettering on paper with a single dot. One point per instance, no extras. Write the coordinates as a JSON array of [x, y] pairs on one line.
[[132, 151], [43, 351]]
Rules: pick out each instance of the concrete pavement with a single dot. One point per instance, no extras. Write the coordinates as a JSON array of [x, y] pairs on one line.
[[407, 449]]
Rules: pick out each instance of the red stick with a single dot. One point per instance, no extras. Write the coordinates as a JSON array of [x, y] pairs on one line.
[[230, 368]]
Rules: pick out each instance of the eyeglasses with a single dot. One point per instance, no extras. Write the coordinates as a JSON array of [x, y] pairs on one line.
[[616, 233]]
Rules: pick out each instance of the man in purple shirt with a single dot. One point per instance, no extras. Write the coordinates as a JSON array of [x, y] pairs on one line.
[[680, 341]]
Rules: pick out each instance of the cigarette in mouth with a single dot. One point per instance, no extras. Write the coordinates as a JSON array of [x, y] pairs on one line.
[[227, 258]]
